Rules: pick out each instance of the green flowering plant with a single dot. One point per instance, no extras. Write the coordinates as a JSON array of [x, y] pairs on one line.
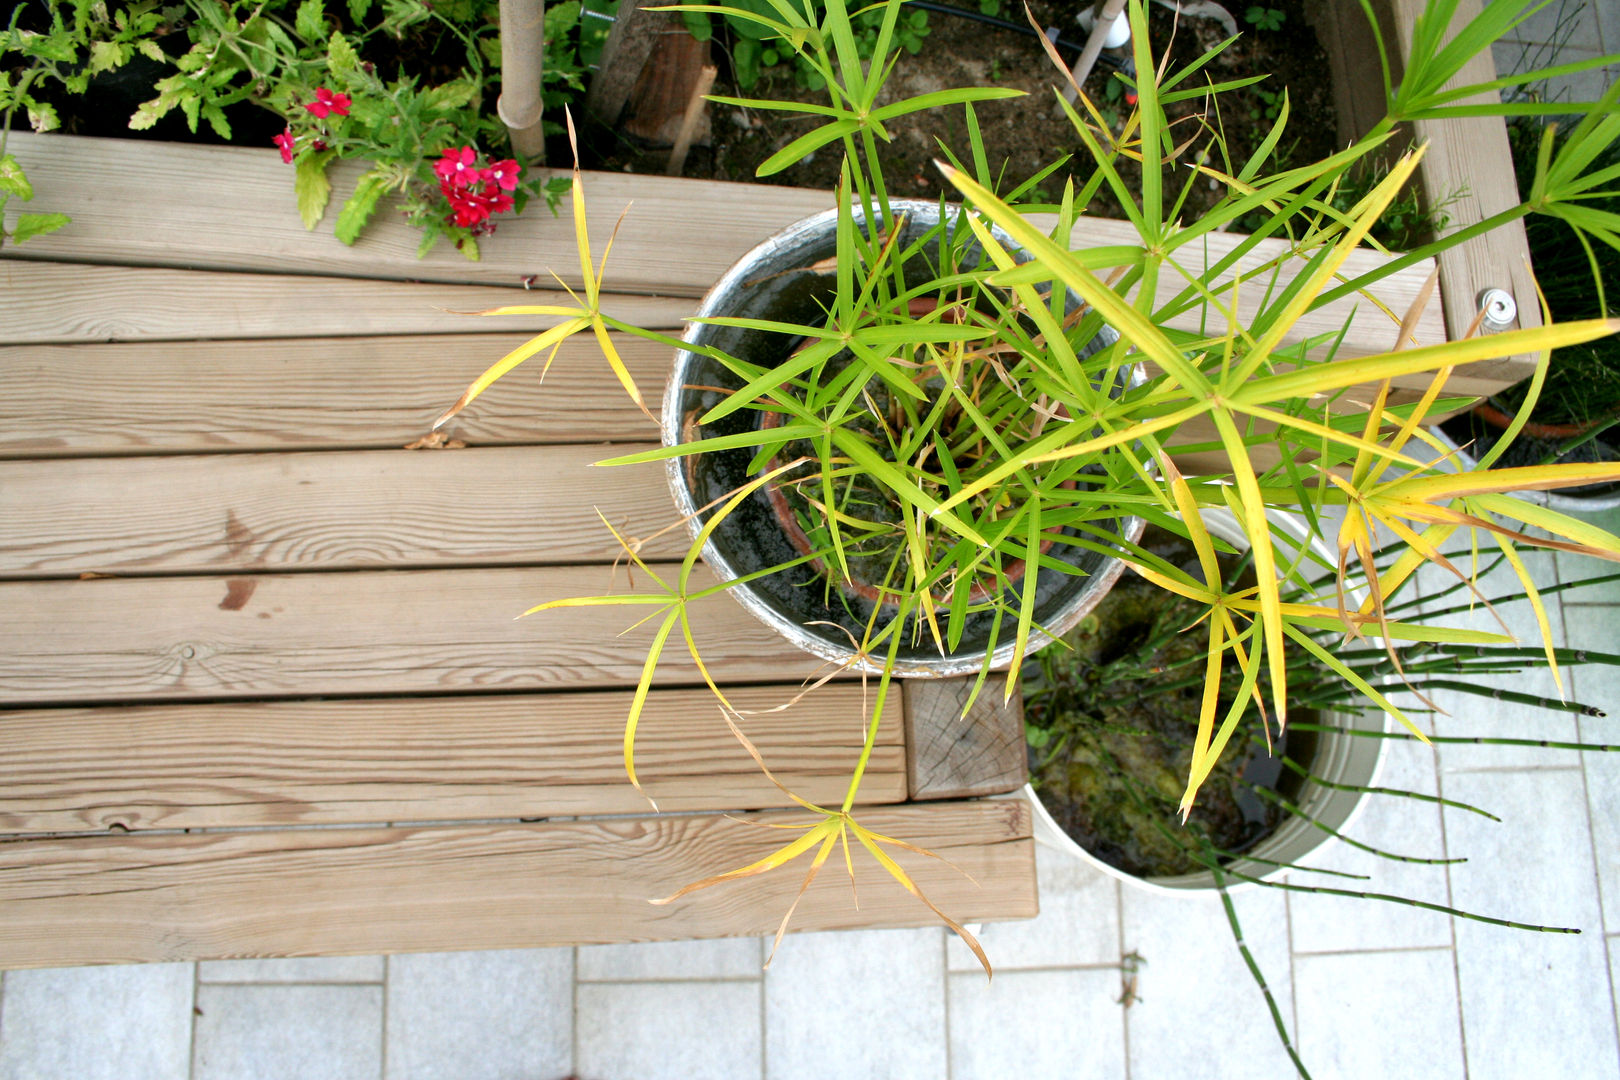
[[299, 60]]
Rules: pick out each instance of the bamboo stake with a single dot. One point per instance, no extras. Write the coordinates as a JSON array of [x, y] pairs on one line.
[[689, 122], [523, 53], [1094, 45]]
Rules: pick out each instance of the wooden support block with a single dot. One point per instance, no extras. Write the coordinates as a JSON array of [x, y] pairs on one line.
[[658, 103], [321, 892], [952, 756], [624, 54]]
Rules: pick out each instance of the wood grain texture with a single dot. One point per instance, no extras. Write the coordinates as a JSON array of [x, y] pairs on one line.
[[236, 211], [182, 897], [311, 394], [429, 759], [501, 506], [950, 755], [357, 633], [701, 228], [69, 303], [624, 53]]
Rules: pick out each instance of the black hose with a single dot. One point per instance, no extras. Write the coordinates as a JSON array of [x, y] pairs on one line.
[[1123, 63]]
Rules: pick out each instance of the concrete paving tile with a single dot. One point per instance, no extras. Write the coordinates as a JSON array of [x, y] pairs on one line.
[[131, 1022], [1532, 1004], [862, 1003], [288, 1032], [720, 958], [1192, 962], [1600, 686], [1403, 826], [301, 969], [1564, 22], [1036, 1024], [500, 1015], [1078, 923], [1379, 1014], [668, 1031], [1472, 715]]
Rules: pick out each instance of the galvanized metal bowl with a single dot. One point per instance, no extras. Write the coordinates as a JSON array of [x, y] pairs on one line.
[[773, 282]]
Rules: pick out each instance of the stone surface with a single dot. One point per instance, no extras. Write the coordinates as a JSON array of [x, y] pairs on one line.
[[723, 958], [1379, 1014], [302, 969], [504, 1015], [1078, 924], [1036, 1024], [1401, 826], [815, 1027], [1601, 687], [1533, 1004], [669, 1031], [302, 1032], [1192, 968], [106, 1023]]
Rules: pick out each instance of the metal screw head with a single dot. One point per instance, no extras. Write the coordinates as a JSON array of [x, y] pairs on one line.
[[1499, 309]]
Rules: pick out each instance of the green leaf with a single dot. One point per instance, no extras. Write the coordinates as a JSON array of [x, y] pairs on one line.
[[107, 55], [358, 9], [311, 21], [42, 116], [12, 179], [149, 49], [312, 186], [340, 56], [31, 225], [216, 120], [358, 209]]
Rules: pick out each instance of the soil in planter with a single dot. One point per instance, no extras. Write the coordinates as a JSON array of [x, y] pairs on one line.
[[1112, 723], [1025, 133]]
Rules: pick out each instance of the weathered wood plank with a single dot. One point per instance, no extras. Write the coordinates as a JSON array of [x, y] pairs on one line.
[[428, 759], [356, 633], [182, 897], [311, 394], [950, 755], [682, 235], [69, 303], [236, 211], [238, 513]]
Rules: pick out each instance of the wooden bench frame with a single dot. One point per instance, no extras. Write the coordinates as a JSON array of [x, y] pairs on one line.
[[297, 720]]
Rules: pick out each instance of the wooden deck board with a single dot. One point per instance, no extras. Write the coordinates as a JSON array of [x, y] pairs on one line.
[[357, 633], [310, 394], [355, 891], [48, 302], [324, 511], [237, 212], [428, 759]]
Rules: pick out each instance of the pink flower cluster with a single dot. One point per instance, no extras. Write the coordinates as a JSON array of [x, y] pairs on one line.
[[475, 191], [326, 103]]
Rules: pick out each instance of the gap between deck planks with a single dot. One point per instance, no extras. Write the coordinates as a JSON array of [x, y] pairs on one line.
[[261, 764], [176, 897]]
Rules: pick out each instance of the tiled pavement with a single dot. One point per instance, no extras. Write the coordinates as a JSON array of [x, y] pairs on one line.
[[1369, 990]]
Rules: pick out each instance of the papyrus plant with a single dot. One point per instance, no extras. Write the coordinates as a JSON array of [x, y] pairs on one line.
[[990, 435]]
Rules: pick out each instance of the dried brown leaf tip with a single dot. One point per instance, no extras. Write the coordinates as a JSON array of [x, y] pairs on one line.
[[436, 440]]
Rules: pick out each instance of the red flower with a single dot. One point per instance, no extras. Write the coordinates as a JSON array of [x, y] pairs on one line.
[[285, 142], [455, 168], [327, 102], [504, 173], [468, 206]]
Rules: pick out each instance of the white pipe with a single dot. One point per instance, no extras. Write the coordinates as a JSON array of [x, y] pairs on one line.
[[523, 53]]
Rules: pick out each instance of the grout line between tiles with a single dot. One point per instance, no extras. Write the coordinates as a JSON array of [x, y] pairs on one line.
[[1119, 934], [1451, 920], [196, 985], [1293, 993], [704, 979], [764, 1053], [1374, 952], [1486, 769], [301, 982], [945, 992], [573, 1012], [382, 1032]]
